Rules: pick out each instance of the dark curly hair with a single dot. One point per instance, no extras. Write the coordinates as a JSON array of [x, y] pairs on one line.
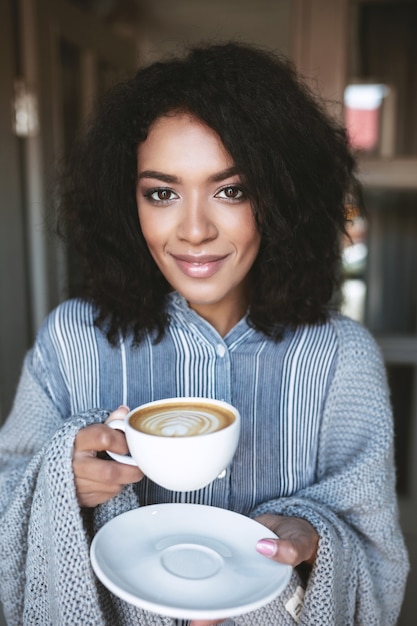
[[295, 165]]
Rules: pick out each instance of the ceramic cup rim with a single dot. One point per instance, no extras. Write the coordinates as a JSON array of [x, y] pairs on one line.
[[181, 400]]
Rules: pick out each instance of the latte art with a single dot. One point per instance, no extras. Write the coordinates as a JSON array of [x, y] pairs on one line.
[[181, 422], [181, 444]]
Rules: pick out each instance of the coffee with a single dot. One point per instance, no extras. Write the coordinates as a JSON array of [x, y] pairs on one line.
[[162, 437], [181, 419]]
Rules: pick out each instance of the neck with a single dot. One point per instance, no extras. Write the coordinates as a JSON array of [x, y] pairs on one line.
[[222, 316]]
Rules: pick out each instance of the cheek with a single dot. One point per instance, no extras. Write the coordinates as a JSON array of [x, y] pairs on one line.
[[251, 239], [156, 237], [251, 248], [241, 227], [149, 227], [153, 243]]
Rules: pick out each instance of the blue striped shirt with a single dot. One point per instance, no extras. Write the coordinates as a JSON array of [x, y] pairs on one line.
[[279, 388]]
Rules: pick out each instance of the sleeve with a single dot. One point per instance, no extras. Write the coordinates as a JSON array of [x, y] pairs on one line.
[[45, 571], [361, 567], [32, 421]]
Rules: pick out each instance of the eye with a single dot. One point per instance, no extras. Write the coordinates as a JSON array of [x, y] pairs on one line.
[[231, 192], [160, 195]]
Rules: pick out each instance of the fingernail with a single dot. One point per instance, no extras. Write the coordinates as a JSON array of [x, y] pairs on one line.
[[267, 547], [123, 406]]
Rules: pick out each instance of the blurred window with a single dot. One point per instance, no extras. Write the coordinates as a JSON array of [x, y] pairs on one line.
[[369, 117]]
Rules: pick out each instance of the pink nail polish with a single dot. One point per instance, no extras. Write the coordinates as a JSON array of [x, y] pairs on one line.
[[267, 547]]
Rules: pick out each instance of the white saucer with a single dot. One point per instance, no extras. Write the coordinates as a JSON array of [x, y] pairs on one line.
[[187, 561]]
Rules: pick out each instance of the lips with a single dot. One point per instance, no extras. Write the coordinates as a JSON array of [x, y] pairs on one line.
[[203, 266]]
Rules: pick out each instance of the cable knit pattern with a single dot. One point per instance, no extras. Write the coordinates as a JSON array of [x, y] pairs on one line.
[[361, 567]]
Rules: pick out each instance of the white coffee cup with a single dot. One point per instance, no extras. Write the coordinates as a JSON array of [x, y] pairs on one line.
[[182, 444]]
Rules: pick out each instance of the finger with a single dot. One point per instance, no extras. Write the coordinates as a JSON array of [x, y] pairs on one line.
[[105, 472], [118, 414], [97, 480], [270, 520], [99, 437], [298, 539], [90, 494], [280, 550]]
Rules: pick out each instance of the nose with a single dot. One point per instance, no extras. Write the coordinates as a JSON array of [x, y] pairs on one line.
[[196, 224]]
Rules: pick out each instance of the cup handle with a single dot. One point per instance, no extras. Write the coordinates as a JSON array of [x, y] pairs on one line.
[[121, 458]]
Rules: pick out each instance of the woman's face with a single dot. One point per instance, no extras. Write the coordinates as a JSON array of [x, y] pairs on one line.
[[196, 219]]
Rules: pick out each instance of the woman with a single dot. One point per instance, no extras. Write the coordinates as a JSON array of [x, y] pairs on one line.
[[207, 200]]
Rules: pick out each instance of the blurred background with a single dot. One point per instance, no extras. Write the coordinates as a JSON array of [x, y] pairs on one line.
[[57, 56]]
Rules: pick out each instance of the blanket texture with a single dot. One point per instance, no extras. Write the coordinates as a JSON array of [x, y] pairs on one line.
[[45, 571]]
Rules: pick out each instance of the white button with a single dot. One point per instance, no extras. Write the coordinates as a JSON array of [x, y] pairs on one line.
[[222, 474], [220, 349]]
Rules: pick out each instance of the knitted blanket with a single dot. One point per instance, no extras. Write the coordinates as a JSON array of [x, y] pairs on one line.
[[45, 572]]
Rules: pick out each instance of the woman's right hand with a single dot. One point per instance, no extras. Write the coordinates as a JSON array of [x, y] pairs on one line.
[[97, 480]]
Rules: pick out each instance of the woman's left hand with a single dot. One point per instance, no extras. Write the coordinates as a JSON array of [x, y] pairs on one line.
[[298, 540], [297, 543]]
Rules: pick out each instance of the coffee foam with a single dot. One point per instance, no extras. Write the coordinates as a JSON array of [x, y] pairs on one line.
[[181, 422]]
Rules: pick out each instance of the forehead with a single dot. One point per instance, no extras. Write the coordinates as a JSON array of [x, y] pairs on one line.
[[182, 140]]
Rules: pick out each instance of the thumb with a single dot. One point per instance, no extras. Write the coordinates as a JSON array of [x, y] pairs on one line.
[[119, 414], [279, 550]]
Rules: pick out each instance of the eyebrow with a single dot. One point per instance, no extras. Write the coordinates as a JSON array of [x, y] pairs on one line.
[[169, 178]]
